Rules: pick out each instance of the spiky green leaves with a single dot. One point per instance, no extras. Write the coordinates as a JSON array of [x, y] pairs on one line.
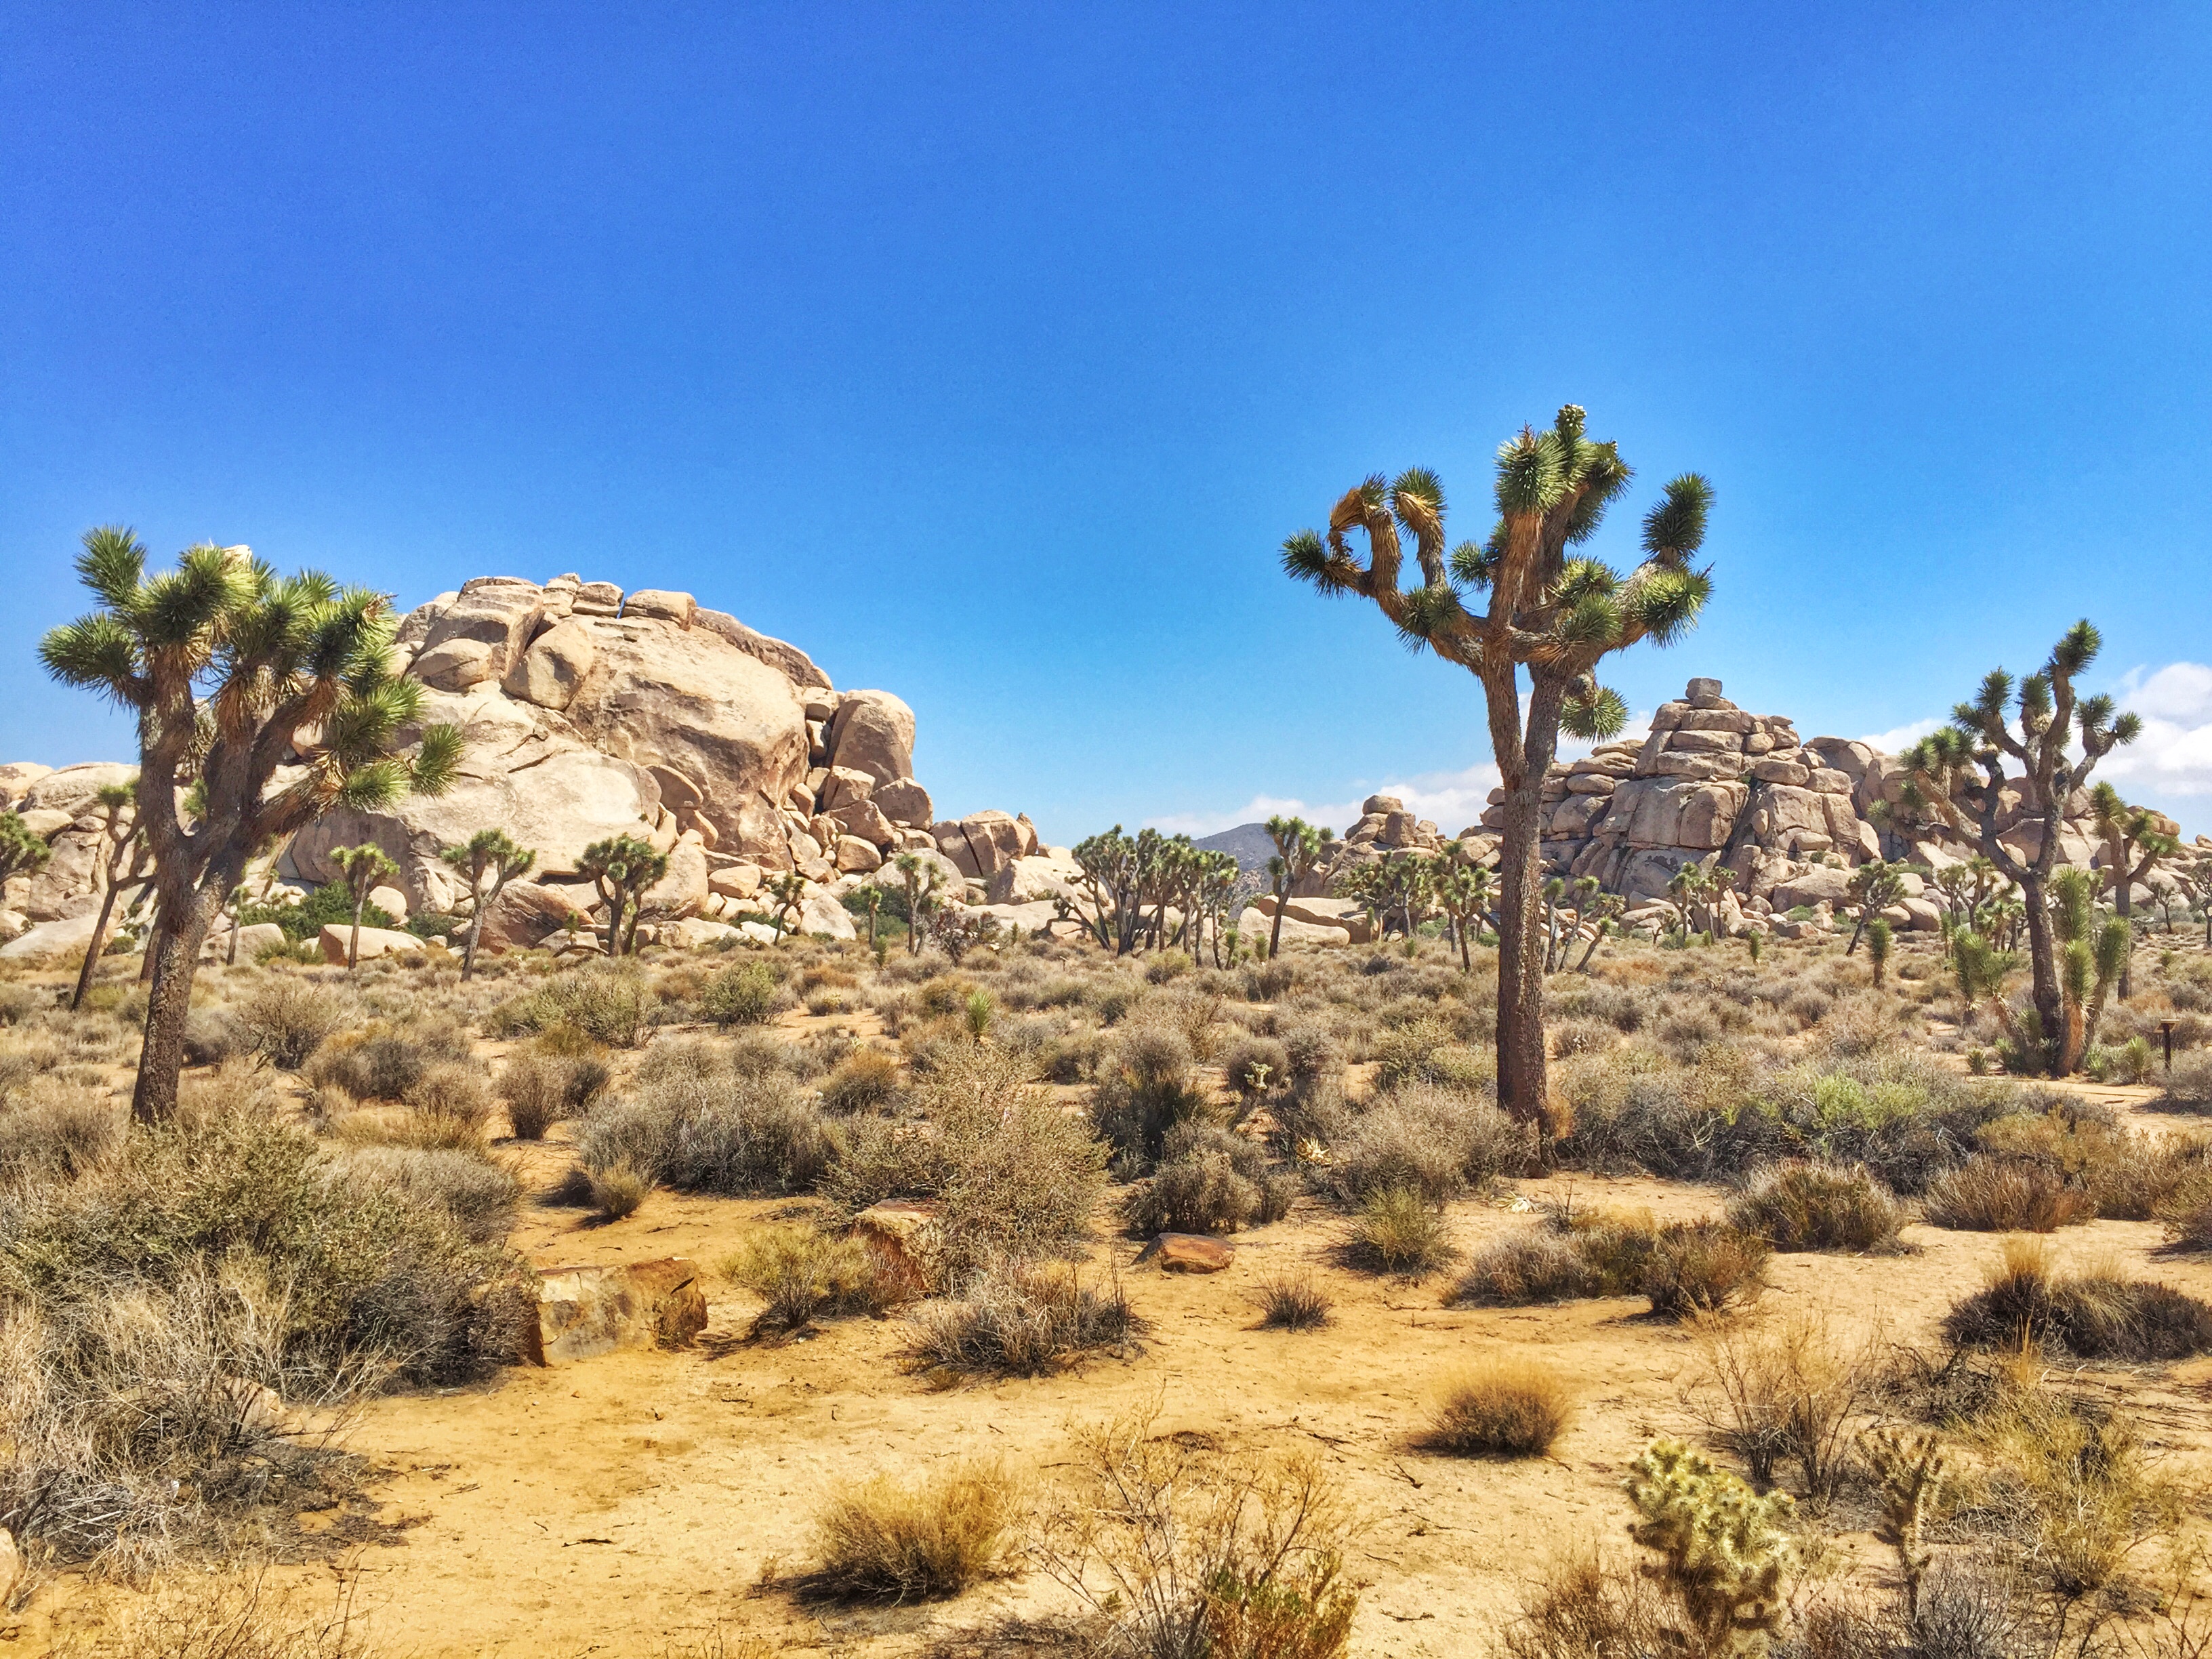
[[1428, 611], [2076, 649], [1675, 528], [1306, 559], [1416, 499], [1593, 712], [96, 652], [1529, 477], [1660, 604], [1473, 564], [22, 853]]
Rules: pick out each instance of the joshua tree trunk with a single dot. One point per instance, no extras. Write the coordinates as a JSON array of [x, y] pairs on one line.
[[1283, 897], [1523, 1085], [353, 940], [476, 931], [2043, 963], [94, 946], [174, 949]]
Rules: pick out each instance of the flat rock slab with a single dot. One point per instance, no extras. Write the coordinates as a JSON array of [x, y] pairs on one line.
[[1188, 1253], [586, 1311]]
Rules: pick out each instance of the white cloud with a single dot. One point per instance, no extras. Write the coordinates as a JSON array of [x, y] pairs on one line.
[[1898, 739], [2173, 755]]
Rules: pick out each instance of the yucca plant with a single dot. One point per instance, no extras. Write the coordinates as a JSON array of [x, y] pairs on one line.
[[2136, 840], [22, 853], [1462, 893], [491, 855], [621, 868], [1873, 887], [233, 672], [1960, 774], [363, 869], [1552, 614]]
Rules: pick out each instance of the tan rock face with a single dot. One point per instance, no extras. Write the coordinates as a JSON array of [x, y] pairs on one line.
[[557, 662], [583, 1312], [375, 942], [904, 802], [1188, 1253], [500, 612], [874, 732]]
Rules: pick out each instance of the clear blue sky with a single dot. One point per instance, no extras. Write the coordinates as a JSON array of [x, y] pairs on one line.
[[989, 353]]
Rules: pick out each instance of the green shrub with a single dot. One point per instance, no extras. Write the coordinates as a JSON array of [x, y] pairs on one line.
[[744, 993], [610, 1003], [1398, 1231], [1819, 1206], [329, 905]]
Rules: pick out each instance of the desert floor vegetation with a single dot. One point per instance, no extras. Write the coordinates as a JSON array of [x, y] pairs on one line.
[[1778, 1220]]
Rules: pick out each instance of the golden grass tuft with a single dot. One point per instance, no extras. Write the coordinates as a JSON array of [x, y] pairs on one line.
[[1501, 1408], [886, 1541]]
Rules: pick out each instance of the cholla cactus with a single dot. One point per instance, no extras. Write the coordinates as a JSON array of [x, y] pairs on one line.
[[1911, 1470], [1721, 1547]]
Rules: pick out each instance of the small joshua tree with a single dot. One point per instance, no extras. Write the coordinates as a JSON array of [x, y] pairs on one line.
[[789, 892], [363, 868], [1960, 773], [1873, 887], [493, 855], [622, 868], [22, 853], [1877, 940], [2092, 956], [233, 672], [127, 861], [1299, 847], [1723, 1550], [1462, 892], [1549, 615], [2200, 878], [919, 881], [2135, 839]]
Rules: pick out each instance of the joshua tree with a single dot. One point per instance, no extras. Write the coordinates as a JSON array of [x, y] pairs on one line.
[[1553, 616], [789, 892], [1873, 887], [1113, 881], [622, 868], [233, 911], [2092, 957], [1693, 887], [1605, 909], [363, 868], [22, 853], [919, 888], [2135, 839], [125, 862], [1877, 939], [292, 667], [1960, 773], [2200, 877], [1214, 878], [1462, 892], [1299, 847], [493, 853]]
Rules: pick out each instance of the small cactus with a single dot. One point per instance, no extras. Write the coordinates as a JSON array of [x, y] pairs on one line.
[[1911, 1470], [1722, 1548]]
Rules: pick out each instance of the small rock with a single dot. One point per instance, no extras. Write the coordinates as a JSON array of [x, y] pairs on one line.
[[1189, 1253], [586, 1311]]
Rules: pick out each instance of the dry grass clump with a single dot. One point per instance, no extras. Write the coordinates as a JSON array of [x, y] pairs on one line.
[[480, 1196], [1398, 1231], [866, 1080], [235, 1619], [1684, 1267], [619, 1190], [2099, 1313], [743, 994], [1178, 1550], [1149, 1088], [1503, 1407], [1703, 1267], [889, 1542], [701, 1116], [1208, 1181], [1579, 1608], [802, 1272], [384, 1062], [2005, 1195], [1292, 1303], [1820, 1206], [611, 1003], [1013, 1177], [1425, 1139], [1020, 1320], [1788, 1391], [542, 1086], [52, 1129], [287, 1016]]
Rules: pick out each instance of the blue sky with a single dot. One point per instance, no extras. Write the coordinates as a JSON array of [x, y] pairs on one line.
[[989, 353]]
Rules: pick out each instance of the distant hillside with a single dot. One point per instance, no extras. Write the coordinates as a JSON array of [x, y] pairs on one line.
[[1248, 841]]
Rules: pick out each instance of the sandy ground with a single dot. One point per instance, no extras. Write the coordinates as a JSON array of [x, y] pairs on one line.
[[620, 1505]]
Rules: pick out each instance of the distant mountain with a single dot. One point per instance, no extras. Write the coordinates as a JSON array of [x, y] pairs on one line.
[[1248, 841]]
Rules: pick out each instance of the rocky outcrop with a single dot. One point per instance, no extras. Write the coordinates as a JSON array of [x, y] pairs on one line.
[[586, 1311]]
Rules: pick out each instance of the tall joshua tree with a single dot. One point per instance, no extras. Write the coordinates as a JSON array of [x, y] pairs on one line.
[[1960, 772], [234, 671], [1552, 616], [2135, 840], [364, 869], [490, 854], [1299, 847], [622, 868]]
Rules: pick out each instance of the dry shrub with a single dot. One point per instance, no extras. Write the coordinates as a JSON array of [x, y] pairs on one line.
[[1425, 1052], [1398, 1231], [1503, 1407], [287, 1017], [50, 1129], [1291, 1303], [802, 1271], [885, 1541], [2005, 1195], [619, 1190], [698, 1119], [1703, 1267], [1787, 1391], [480, 1196], [1180, 1551], [1820, 1206], [543, 1087], [1020, 1320], [2188, 1087], [1013, 1177], [1199, 1194], [1150, 1089], [233, 1619], [610, 1003], [743, 994], [1522, 1269], [2100, 1314], [1256, 1067], [1581, 1608], [1427, 1139], [385, 1063], [866, 1080]]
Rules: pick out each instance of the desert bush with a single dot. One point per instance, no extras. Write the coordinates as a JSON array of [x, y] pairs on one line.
[[1996, 1194], [287, 1017], [1019, 1320], [1398, 1231], [889, 1542], [1291, 1303], [866, 1080], [1702, 1267], [542, 1088], [2188, 1087], [214, 1035], [1013, 1176], [1149, 1089], [743, 994], [383, 1062], [1524, 1268], [479, 1196], [1819, 1206], [1785, 1391], [617, 1189], [1438, 1143], [2100, 1314], [802, 1272], [1179, 1551], [692, 1121], [1503, 1407], [610, 1003], [1579, 1608], [1199, 1194], [52, 1129], [1256, 1067], [1424, 1052]]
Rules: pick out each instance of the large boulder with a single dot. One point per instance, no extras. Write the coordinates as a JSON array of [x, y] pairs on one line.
[[982, 844], [586, 1311], [556, 664], [786, 659], [68, 936], [375, 942], [74, 789], [526, 912], [16, 777], [874, 732], [904, 802], [500, 612]]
